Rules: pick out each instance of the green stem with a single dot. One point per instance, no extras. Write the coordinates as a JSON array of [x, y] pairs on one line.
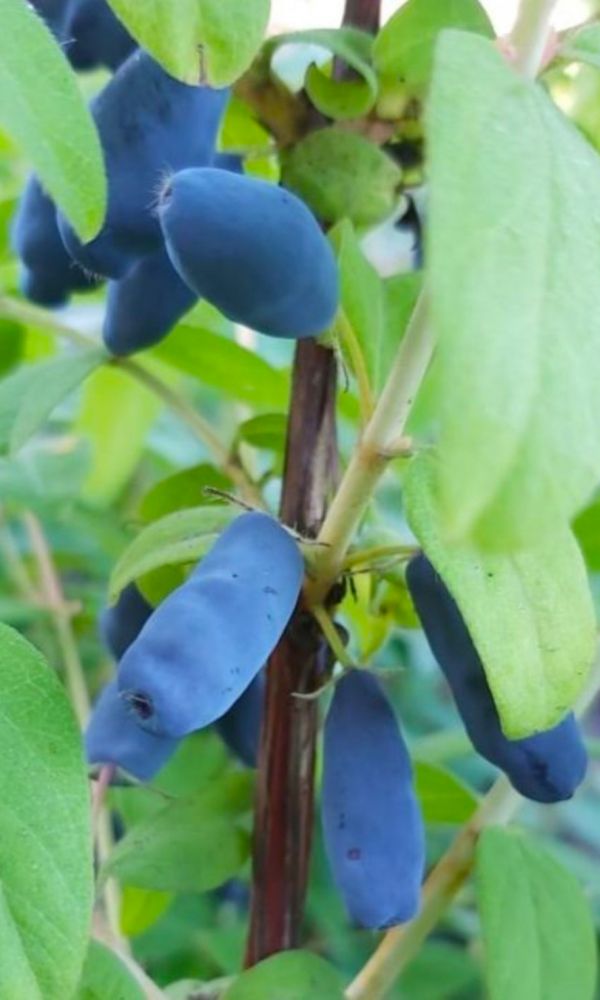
[[333, 640], [351, 347], [14, 564], [43, 318], [529, 36], [373, 453], [24, 312], [61, 614]]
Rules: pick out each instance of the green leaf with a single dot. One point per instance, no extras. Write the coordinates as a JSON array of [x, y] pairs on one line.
[[583, 46], [191, 845], [182, 537], [141, 908], [442, 796], [267, 431], [587, 533], [537, 924], [28, 396], [116, 415], [211, 40], [42, 109], [440, 971], [226, 366], [12, 343], [46, 886], [361, 297], [513, 261], [337, 99], [106, 978], [43, 477], [529, 613], [405, 45], [292, 975], [199, 759], [182, 489], [342, 175]]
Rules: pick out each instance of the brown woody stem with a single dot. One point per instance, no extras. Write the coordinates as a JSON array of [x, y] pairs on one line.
[[284, 801], [283, 819], [363, 14]]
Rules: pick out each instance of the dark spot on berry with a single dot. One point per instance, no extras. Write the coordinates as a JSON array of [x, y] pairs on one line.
[[141, 704]]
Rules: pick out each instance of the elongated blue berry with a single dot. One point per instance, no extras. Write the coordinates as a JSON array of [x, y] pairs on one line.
[[546, 767], [371, 820], [145, 305], [121, 623], [48, 274], [150, 125], [52, 13], [239, 728], [208, 640], [113, 736], [93, 36], [252, 249]]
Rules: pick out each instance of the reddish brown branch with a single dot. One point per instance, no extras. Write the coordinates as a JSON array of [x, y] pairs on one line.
[[283, 818], [363, 14], [284, 803]]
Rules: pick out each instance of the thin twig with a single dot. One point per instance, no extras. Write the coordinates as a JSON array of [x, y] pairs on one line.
[[33, 315], [15, 565]]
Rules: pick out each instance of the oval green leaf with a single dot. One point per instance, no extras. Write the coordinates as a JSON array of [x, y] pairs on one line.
[[292, 975], [337, 99], [443, 797], [404, 48], [211, 41], [191, 845], [538, 928], [41, 107], [513, 264], [46, 883], [182, 537]]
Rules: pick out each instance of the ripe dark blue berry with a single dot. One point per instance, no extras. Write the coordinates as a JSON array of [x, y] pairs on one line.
[[52, 13], [93, 36], [240, 726], [252, 249], [372, 825], [546, 767], [145, 305], [48, 274], [208, 640], [150, 125], [113, 736], [121, 624]]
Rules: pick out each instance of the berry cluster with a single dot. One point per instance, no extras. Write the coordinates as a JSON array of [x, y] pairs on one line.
[[197, 659], [183, 221]]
